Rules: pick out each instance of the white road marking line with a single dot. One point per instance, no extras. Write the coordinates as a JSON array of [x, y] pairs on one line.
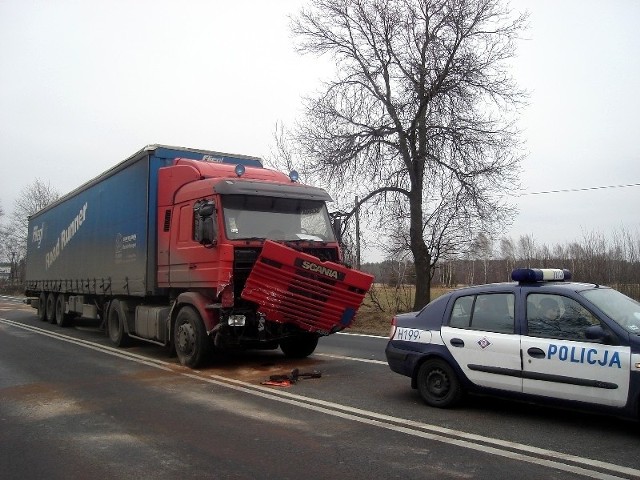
[[355, 359], [401, 425], [364, 334]]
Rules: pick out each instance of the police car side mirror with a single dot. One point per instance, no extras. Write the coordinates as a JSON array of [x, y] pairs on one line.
[[597, 333]]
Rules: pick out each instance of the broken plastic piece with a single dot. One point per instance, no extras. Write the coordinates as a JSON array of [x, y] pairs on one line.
[[291, 378], [276, 383]]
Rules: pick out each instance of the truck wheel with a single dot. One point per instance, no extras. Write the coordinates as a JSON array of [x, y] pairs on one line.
[[62, 319], [438, 384], [190, 338], [300, 346], [51, 308], [115, 324], [42, 307]]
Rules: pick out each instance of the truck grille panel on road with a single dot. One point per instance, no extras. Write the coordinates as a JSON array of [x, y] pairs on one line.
[[294, 287]]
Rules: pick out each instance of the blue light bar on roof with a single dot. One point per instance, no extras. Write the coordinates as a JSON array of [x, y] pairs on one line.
[[540, 274]]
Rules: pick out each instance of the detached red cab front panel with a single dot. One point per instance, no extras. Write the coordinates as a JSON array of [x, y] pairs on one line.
[[293, 287]]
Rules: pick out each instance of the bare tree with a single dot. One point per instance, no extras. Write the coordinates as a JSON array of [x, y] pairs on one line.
[[282, 154], [482, 249], [527, 250], [32, 198], [419, 122], [508, 253]]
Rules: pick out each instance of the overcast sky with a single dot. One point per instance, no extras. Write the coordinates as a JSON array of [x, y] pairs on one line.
[[85, 84]]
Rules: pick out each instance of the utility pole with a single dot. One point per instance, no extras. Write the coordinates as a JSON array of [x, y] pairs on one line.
[[357, 235], [12, 274]]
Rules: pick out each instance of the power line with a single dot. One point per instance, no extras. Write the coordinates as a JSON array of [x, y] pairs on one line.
[[569, 190]]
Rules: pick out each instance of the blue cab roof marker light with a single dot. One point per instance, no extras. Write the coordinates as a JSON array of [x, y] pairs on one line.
[[239, 170], [540, 275]]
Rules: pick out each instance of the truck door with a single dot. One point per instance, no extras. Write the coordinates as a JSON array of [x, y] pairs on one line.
[[560, 362], [207, 271], [183, 257], [481, 338]]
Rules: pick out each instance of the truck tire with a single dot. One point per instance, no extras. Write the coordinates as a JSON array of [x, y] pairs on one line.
[[42, 307], [63, 319], [116, 318], [300, 346], [51, 307], [193, 346]]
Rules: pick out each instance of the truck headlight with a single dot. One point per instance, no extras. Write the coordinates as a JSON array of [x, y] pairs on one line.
[[236, 320]]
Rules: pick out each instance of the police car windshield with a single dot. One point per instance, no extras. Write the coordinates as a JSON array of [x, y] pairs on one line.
[[253, 217], [620, 308]]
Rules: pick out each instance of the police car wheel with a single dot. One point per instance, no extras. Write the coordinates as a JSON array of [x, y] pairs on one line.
[[438, 384]]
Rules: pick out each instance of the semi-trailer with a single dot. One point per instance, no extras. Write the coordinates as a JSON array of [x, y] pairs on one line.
[[194, 250]]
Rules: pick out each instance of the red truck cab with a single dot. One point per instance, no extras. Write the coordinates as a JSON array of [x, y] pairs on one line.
[[255, 254]]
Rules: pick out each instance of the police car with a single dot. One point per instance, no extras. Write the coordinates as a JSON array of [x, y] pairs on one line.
[[540, 337]]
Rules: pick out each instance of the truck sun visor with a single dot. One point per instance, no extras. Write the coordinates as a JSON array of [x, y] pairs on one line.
[[267, 189]]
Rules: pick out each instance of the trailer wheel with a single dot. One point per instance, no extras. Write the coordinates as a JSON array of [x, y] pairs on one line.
[[300, 346], [62, 319], [190, 338], [116, 317], [51, 308], [42, 307]]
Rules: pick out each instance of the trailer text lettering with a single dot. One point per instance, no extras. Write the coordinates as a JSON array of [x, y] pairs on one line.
[[66, 235], [37, 234]]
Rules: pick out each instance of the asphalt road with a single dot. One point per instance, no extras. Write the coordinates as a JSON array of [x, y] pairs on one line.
[[73, 407]]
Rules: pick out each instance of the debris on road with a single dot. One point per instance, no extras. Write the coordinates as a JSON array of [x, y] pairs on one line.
[[291, 378]]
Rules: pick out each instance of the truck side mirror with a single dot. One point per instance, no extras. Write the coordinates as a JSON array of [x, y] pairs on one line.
[[208, 231], [206, 209], [204, 228]]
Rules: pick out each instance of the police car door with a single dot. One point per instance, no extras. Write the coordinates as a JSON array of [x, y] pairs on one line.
[[480, 336], [559, 362]]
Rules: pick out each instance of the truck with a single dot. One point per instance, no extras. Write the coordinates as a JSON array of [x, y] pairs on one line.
[[197, 251]]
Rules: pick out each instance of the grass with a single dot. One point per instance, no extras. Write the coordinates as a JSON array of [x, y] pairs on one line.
[[371, 323], [381, 304]]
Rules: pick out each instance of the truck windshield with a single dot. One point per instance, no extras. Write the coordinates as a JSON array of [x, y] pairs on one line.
[[620, 308], [253, 216]]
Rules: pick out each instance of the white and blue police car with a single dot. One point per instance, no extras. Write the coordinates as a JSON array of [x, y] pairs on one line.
[[540, 337]]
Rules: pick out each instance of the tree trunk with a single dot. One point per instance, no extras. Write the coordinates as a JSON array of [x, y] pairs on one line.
[[421, 257]]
